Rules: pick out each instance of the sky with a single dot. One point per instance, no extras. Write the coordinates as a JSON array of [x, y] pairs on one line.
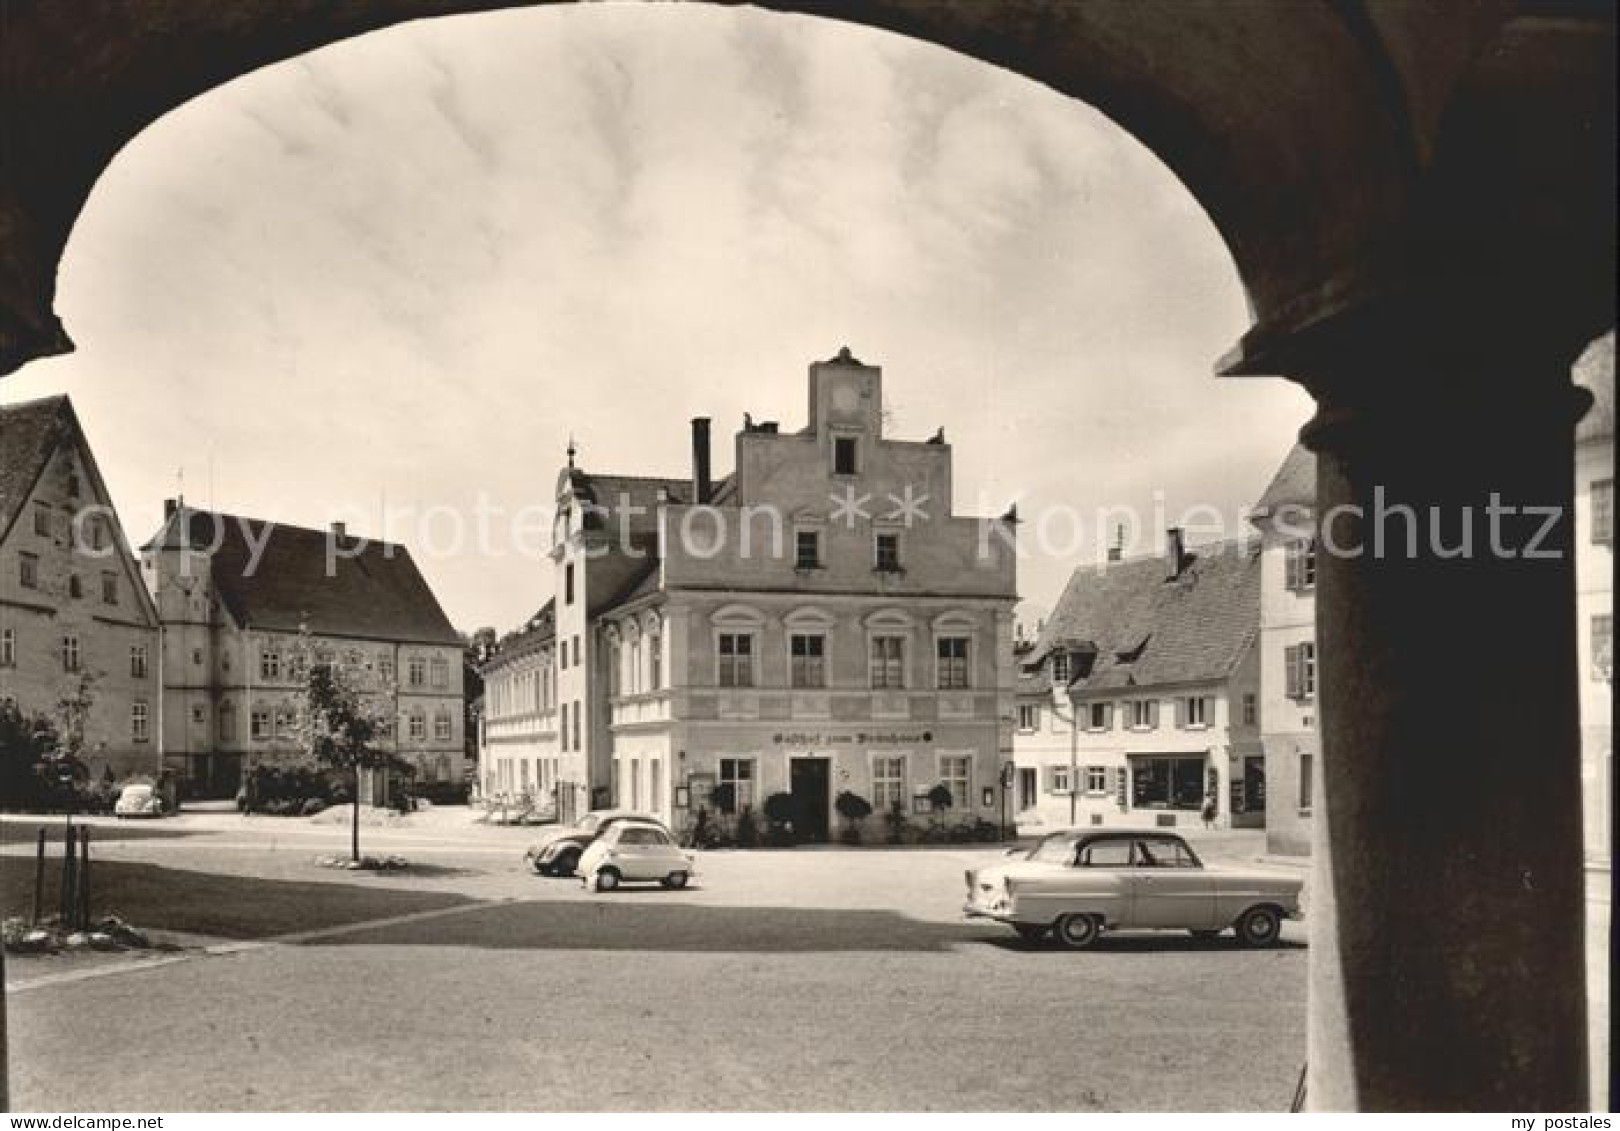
[[385, 282]]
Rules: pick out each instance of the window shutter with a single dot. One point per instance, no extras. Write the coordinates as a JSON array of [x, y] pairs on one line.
[[1108, 716], [1291, 670], [1291, 566], [1181, 713], [1153, 714], [1050, 773]]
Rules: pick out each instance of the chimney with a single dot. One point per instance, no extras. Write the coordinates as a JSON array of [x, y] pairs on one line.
[[701, 486], [340, 533], [169, 507], [1175, 553], [1117, 550]]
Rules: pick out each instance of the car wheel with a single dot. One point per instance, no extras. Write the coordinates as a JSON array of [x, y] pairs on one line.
[[676, 880], [607, 879], [1259, 926], [1078, 931], [1032, 932], [564, 863], [1198, 934]]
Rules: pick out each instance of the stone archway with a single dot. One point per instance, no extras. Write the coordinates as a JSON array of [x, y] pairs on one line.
[[1418, 198]]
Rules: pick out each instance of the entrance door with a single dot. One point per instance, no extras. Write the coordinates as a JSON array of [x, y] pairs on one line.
[[1026, 788], [809, 780]]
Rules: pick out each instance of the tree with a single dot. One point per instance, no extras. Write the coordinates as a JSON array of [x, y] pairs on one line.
[[342, 721], [27, 744]]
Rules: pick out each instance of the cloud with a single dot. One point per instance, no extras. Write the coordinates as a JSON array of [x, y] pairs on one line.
[[408, 265]]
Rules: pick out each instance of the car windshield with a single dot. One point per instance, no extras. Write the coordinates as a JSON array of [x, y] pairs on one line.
[[1055, 849]]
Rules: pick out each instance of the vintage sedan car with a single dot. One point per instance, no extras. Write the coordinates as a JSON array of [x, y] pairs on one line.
[[1077, 884], [634, 850], [138, 800], [557, 852]]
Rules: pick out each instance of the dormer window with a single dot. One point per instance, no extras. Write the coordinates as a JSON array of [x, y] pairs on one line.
[[1060, 667], [846, 455]]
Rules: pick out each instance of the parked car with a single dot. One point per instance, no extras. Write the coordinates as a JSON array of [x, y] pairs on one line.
[[1077, 884], [138, 800], [635, 850], [557, 851]]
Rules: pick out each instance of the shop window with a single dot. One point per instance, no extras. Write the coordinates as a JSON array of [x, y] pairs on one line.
[[1167, 783]]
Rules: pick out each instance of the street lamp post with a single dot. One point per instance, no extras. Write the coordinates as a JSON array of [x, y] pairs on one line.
[[1073, 720]]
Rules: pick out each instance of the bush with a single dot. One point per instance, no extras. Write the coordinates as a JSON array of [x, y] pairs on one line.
[[313, 806], [987, 831], [895, 819], [854, 809], [850, 834], [939, 798], [724, 798], [747, 829], [780, 811]]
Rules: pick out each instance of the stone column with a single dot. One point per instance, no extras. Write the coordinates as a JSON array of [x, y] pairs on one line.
[[1447, 934]]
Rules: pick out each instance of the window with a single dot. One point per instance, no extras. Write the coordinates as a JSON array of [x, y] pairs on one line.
[[1144, 714], [269, 664], [736, 659], [888, 662], [1299, 565], [1603, 511], [1307, 782], [138, 722], [1060, 668], [198, 716], [576, 725], [888, 783], [1099, 716], [8, 647], [806, 549], [297, 664], [1299, 662], [1251, 709], [1105, 854], [739, 774], [1029, 717], [75, 586], [655, 785], [953, 662], [808, 660], [418, 726], [442, 726], [42, 519], [562, 733], [845, 452], [417, 671], [261, 724], [1161, 852], [70, 653], [1057, 779], [137, 661], [568, 584], [1195, 711], [886, 552], [109, 588], [1096, 779], [956, 775], [441, 672], [1602, 646], [655, 662], [285, 720], [385, 668], [28, 571]]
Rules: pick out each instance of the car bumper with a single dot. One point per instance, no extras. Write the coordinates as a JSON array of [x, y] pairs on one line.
[[980, 911]]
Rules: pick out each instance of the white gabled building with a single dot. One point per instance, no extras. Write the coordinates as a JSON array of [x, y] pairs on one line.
[[1156, 656]]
